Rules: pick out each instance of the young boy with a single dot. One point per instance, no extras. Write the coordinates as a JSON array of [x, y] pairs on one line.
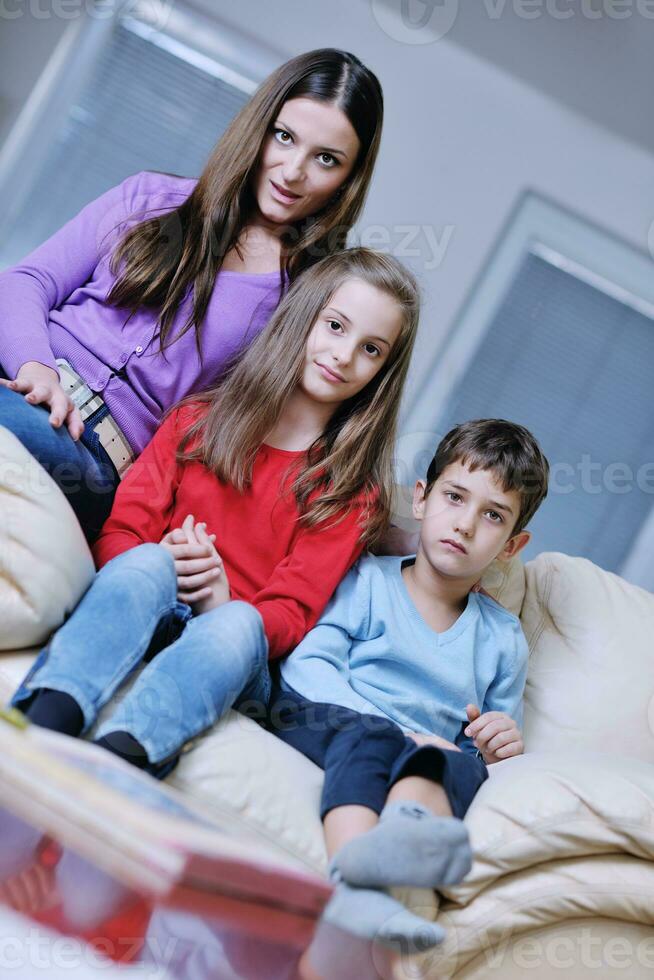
[[384, 692]]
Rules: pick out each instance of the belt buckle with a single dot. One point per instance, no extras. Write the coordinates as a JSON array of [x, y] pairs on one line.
[[78, 391]]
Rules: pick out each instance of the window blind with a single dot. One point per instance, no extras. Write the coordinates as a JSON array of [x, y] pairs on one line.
[[574, 365], [143, 108]]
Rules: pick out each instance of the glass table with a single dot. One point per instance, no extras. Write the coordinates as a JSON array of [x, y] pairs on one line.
[[103, 869]]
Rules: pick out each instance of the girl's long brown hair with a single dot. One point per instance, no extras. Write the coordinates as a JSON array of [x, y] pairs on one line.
[[166, 255], [354, 456]]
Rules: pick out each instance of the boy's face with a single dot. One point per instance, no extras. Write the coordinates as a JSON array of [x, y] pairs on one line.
[[467, 521]]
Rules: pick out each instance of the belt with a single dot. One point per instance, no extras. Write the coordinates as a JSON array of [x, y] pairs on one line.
[[112, 438]]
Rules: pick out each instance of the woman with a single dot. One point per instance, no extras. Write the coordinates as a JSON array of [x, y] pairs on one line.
[[155, 287]]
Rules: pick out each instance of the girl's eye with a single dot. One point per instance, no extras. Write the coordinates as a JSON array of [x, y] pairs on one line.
[[371, 349], [283, 137], [334, 324], [327, 160]]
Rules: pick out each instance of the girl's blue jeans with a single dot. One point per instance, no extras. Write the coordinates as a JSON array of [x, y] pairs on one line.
[[82, 470], [197, 666]]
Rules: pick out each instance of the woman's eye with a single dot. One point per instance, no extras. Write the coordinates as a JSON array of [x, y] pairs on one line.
[[282, 136], [327, 160]]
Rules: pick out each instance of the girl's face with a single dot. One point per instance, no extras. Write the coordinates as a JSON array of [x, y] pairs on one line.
[[349, 342], [308, 154]]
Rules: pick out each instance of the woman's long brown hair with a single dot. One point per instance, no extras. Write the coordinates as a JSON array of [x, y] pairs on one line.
[[354, 456], [166, 255]]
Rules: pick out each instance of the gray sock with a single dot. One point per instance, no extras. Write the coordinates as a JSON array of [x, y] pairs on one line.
[[409, 846], [375, 915]]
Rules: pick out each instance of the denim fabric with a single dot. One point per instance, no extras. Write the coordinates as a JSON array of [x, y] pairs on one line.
[[365, 755], [82, 470], [197, 666]]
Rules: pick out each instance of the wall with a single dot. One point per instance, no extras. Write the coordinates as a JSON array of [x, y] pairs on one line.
[[462, 141]]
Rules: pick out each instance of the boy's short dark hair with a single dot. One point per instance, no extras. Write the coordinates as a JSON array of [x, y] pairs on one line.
[[506, 448]]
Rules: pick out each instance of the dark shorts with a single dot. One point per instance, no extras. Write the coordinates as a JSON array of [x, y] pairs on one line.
[[365, 755]]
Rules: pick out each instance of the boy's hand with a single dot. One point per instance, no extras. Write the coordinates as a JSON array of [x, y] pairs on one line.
[[441, 743], [494, 733], [201, 577]]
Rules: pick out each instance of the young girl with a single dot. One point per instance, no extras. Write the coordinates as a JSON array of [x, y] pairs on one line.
[[149, 292], [286, 465]]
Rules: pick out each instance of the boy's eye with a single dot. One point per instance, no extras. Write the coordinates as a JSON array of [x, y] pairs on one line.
[[282, 136], [452, 495], [494, 516]]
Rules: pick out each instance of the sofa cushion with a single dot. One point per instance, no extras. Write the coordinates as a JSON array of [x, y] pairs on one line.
[[591, 666], [45, 563], [544, 807], [605, 887], [506, 582]]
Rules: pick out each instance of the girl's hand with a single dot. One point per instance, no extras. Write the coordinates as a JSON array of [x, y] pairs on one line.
[[219, 591], [441, 743], [40, 386], [198, 566], [495, 734]]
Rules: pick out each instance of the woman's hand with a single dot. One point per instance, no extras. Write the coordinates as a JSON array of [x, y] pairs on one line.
[[201, 578], [40, 386]]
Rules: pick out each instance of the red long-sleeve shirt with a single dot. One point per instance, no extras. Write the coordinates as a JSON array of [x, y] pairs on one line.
[[286, 570]]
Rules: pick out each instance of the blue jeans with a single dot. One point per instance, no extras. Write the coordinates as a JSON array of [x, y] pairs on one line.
[[82, 470], [198, 666]]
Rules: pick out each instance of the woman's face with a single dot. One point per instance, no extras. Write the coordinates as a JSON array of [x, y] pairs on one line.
[[308, 154]]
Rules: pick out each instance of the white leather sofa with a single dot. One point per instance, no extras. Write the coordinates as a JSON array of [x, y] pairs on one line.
[[562, 884]]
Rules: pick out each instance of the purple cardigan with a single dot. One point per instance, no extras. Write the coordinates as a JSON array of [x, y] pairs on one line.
[[52, 305]]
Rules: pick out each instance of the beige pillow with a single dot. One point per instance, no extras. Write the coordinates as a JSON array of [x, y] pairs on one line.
[[542, 807], [590, 683], [505, 581], [45, 563]]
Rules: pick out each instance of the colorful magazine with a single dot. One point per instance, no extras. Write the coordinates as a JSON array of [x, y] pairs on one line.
[[142, 832]]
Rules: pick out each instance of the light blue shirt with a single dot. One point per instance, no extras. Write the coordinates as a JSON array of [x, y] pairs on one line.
[[373, 652]]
